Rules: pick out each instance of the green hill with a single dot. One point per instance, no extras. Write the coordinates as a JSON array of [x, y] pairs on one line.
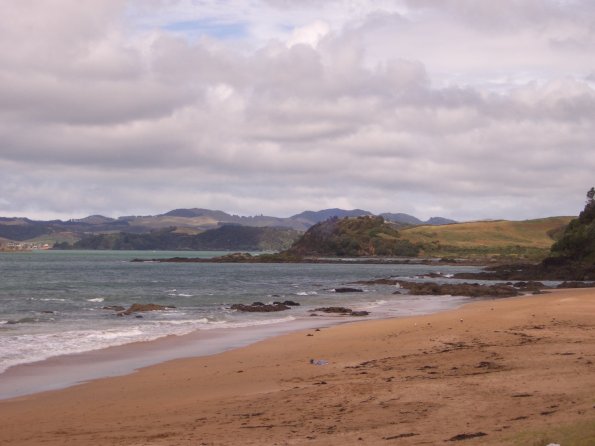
[[572, 256], [353, 237], [502, 239], [577, 243]]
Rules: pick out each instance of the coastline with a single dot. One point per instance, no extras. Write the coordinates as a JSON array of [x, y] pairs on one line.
[[65, 370], [524, 363]]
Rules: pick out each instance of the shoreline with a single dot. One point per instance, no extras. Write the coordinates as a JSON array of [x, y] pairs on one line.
[[505, 368], [66, 370], [69, 370]]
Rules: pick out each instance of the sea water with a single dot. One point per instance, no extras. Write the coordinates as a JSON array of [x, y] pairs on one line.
[[52, 303]]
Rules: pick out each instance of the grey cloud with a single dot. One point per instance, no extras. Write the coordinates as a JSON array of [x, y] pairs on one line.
[[357, 120], [509, 13]]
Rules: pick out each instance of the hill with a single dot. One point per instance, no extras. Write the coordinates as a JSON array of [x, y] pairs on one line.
[[189, 220], [572, 256], [310, 218], [528, 240], [352, 237], [225, 238], [577, 243], [414, 221]]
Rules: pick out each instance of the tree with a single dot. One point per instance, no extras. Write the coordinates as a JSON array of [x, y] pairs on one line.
[[590, 196]]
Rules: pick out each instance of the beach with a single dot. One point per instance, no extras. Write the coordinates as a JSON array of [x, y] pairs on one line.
[[496, 372]]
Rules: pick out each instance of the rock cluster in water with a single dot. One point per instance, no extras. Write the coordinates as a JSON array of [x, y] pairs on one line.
[[342, 310], [259, 307], [137, 308]]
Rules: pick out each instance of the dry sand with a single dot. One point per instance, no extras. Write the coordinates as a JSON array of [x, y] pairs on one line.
[[520, 370]]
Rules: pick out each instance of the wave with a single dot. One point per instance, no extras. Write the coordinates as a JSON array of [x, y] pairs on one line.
[[27, 348]]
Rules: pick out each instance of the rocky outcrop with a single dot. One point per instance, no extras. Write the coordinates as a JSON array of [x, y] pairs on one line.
[[259, 307], [576, 285], [342, 310], [289, 303], [460, 289], [348, 290], [139, 308]]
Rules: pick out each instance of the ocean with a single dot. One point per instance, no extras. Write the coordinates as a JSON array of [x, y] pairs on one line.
[[52, 305]]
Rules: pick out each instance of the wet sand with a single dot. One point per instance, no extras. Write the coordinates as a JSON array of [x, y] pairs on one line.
[[502, 372]]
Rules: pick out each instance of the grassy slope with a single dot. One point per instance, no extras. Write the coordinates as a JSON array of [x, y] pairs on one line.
[[527, 240]]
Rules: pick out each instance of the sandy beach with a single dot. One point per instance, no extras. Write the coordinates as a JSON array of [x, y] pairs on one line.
[[498, 372]]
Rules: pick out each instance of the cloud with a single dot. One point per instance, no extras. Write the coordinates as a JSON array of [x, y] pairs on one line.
[[457, 108]]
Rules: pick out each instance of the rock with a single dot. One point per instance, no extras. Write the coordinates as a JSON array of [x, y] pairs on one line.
[[459, 289], [259, 307], [339, 310], [573, 284], [289, 303], [138, 308], [530, 286], [360, 313], [348, 290], [383, 281]]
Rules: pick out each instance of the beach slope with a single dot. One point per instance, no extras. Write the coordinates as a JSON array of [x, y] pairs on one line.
[[497, 372]]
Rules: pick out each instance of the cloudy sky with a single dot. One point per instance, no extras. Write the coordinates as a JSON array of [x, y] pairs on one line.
[[467, 109]]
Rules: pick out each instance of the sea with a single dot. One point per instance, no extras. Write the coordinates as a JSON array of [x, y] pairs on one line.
[[52, 308]]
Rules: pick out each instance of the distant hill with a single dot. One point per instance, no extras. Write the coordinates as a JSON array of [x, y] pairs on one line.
[[95, 220], [225, 238], [411, 220], [439, 221], [312, 217], [529, 239], [402, 218], [352, 237], [192, 220]]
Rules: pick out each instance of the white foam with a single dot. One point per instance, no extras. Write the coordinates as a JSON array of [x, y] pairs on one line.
[[27, 348], [96, 299]]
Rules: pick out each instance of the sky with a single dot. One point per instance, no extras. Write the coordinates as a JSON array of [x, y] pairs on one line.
[[466, 109]]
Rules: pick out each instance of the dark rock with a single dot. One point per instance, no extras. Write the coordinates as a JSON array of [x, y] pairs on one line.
[[383, 281], [259, 307], [138, 308], [460, 289], [574, 284], [360, 313], [289, 303], [339, 310], [549, 269], [348, 290], [530, 286]]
